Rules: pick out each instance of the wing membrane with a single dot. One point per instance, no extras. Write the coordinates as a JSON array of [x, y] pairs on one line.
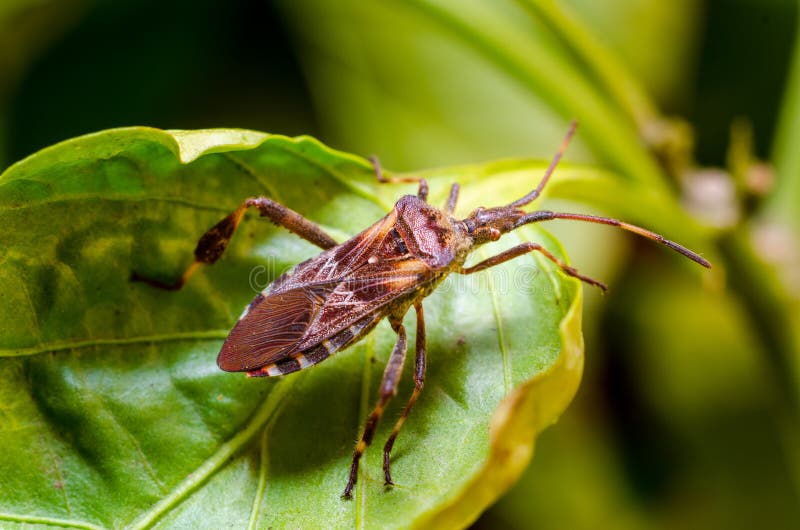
[[280, 324], [272, 325]]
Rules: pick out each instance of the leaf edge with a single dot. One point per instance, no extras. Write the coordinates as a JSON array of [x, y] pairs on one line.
[[514, 426]]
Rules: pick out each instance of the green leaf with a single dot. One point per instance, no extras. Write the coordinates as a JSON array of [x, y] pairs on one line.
[[114, 414]]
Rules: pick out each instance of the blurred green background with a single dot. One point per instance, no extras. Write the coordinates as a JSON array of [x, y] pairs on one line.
[[688, 414]]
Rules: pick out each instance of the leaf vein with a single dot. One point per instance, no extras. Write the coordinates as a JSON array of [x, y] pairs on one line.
[[361, 501], [268, 411], [192, 403], [51, 450], [90, 343], [245, 168], [106, 198], [49, 521], [32, 308], [336, 176], [258, 500], [97, 398], [501, 339]]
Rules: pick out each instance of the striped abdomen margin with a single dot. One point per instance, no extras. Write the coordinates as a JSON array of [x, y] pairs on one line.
[[320, 352]]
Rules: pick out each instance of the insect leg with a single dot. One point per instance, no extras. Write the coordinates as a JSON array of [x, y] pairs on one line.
[[419, 380], [524, 248], [452, 199], [391, 377], [422, 193], [532, 196], [213, 243]]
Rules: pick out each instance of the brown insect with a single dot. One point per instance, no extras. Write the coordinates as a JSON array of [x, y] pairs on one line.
[[331, 301]]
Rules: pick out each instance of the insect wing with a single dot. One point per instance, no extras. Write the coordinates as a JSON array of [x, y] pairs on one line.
[[281, 324], [331, 300], [271, 326], [352, 300], [276, 321]]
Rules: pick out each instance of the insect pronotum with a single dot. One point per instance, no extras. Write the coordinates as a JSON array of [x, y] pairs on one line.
[[331, 301]]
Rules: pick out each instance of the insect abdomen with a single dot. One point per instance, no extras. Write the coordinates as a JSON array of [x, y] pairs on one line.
[[319, 352]]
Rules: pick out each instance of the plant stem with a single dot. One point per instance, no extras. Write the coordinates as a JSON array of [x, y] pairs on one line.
[[776, 321], [785, 152], [769, 309], [621, 85]]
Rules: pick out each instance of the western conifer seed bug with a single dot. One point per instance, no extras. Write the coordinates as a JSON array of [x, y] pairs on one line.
[[333, 300]]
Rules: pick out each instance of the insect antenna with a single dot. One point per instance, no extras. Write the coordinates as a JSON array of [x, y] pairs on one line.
[[529, 198], [545, 215]]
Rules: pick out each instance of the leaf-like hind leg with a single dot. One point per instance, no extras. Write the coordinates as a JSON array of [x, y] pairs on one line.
[[420, 362], [422, 192], [524, 248], [213, 243], [391, 377]]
